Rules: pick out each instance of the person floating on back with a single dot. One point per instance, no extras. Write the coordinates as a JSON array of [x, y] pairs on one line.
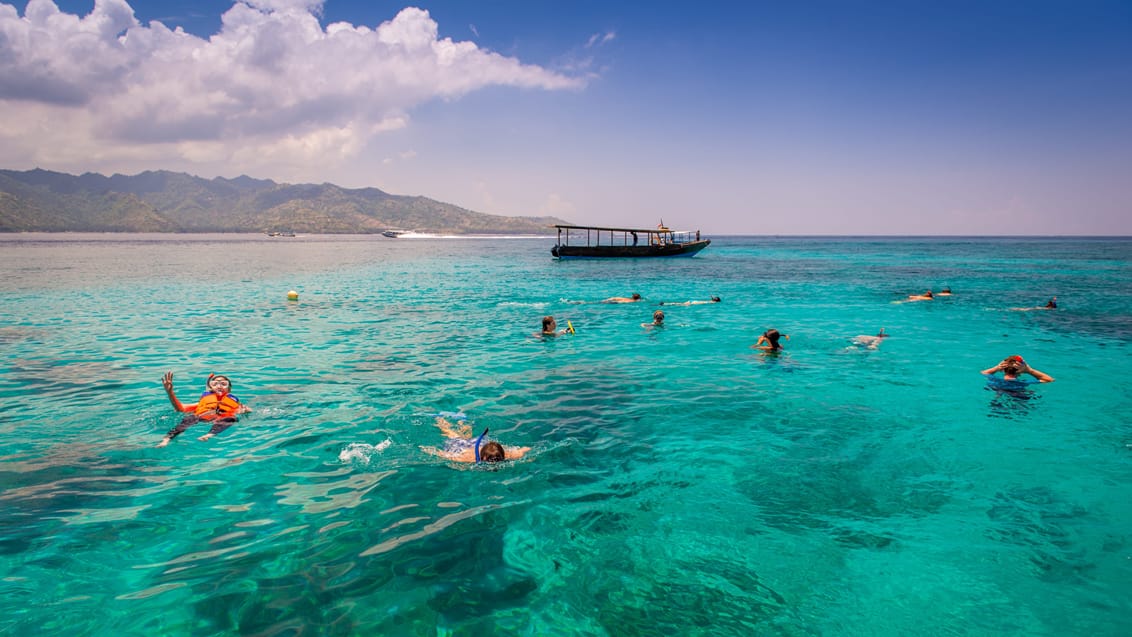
[[217, 405], [1014, 366], [460, 446]]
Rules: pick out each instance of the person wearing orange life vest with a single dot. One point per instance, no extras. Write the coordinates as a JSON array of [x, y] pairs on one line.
[[216, 405]]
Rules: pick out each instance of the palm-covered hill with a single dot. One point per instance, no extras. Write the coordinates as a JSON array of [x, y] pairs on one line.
[[162, 201]]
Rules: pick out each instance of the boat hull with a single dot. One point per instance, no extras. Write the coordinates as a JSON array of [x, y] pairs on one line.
[[632, 252]]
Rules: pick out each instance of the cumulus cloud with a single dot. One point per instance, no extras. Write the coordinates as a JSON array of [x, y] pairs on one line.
[[272, 85]]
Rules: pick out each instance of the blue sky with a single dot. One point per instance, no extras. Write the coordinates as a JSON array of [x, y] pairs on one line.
[[732, 117]]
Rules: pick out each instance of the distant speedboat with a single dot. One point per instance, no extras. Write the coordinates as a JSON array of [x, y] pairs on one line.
[[393, 234], [280, 234], [591, 242]]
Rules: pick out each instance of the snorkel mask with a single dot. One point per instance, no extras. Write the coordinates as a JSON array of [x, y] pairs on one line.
[[214, 377]]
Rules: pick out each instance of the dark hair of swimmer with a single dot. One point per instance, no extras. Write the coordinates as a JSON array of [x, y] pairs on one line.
[[636, 297], [491, 452], [772, 336], [1013, 365], [548, 323], [715, 299]]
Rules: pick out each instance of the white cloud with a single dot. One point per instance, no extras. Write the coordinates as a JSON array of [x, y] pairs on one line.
[[273, 87], [598, 39]]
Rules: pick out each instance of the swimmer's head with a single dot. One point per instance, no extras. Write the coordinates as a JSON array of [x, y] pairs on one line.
[[219, 383], [636, 297], [548, 323], [658, 317], [715, 299], [1013, 365], [491, 452]]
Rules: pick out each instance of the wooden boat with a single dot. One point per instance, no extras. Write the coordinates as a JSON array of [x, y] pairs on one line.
[[591, 242]]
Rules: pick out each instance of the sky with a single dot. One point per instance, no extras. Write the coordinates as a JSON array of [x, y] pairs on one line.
[[822, 117]]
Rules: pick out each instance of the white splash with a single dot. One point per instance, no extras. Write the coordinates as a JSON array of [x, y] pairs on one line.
[[361, 452]]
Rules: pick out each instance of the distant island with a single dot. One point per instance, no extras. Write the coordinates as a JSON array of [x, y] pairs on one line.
[[162, 201]]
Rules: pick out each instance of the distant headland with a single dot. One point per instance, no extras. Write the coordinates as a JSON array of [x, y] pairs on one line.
[[162, 201]]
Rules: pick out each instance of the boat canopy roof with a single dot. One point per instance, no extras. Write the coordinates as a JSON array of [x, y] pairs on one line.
[[660, 230]]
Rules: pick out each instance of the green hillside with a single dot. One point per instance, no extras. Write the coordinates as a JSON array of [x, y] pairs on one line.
[[162, 201]]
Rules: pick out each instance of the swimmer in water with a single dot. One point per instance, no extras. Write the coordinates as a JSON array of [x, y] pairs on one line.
[[870, 342], [1050, 305], [461, 446], [623, 299], [550, 327], [926, 296], [216, 405], [770, 338], [657, 319], [714, 299], [1014, 366]]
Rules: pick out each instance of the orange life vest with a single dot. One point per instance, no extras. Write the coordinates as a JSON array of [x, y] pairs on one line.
[[212, 406]]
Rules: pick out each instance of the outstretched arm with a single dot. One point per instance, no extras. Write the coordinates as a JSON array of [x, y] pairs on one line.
[[167, 382], [514, 453], [1041, 376], [996, 368]]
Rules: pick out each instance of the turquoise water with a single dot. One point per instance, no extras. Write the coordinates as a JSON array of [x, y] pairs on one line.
[[679, 483]]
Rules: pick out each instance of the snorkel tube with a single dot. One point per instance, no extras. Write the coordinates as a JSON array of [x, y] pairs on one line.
[[478, 441]]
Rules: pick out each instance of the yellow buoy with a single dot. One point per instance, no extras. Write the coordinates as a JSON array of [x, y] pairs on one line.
[[292, 296]]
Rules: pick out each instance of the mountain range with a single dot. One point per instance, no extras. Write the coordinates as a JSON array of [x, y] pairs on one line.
[[162, 201]]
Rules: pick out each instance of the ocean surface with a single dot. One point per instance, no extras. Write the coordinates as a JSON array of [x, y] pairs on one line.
[[679, 483]]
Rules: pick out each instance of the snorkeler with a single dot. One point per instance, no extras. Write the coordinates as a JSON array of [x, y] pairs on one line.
[[1050, 305], [460, 446], [714, 299], [623, 299], [770, 337], [1014, 366], [657, 319], [550, 327], [216, 405], [870, 342], [926, 296]]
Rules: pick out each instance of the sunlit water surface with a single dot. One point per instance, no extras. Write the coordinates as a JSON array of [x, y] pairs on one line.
[[680, 483]]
